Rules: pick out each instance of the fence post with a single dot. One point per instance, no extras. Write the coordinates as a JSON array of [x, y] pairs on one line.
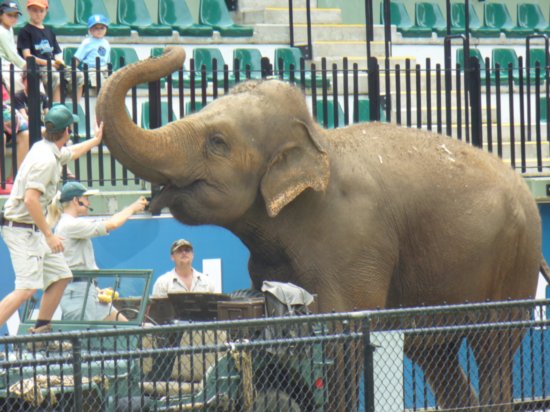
[[368, 367], [33, 87], [474, 91], [155, 119], [374, 89], [77, 373]]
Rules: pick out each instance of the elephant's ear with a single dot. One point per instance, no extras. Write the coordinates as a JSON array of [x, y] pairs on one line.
[[300, 163]]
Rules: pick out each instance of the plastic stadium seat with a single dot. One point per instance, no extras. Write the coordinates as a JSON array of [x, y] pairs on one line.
[[530, 17], [428, 15], [215, 13], [291, 56], [145, 121], [543, 105], [83, 9], [458, 18], [400, 17], [177, 15], [497, 18], [537, 55], [503, 57], [128, 56], [134, 13], [205, 57], [157, 51], [68, 53], [330, 114], [251, 58], [473, 53], [58, 21]]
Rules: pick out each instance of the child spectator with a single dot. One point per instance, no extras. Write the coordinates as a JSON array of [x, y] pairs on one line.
[[21, 99], [39, 41], [9, 14], [95, 45]]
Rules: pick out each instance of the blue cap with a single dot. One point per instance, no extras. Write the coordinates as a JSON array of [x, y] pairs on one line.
[[97, 19]]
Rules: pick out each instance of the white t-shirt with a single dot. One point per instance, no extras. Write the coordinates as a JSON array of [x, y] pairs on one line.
[[170, 282]]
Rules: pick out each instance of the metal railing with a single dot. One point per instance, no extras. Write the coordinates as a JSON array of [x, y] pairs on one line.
[[491, 355]]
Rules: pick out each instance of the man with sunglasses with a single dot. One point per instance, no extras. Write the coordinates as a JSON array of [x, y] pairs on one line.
[[183, 278], [36, 252]]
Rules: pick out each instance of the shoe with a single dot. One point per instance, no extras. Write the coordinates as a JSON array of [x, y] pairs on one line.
[[41, 329]]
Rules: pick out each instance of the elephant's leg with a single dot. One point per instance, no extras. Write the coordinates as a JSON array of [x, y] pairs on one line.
[[438, 358], [494, 352]]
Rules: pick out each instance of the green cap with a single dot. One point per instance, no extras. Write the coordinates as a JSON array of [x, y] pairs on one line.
[[58, 118], [73, 189]]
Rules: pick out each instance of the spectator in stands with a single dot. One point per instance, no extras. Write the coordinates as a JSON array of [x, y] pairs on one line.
[[183, 278], [67, 210], [39, 41], [21, 99], [9, 14], [19, 128], [93, 46], [34, 249]]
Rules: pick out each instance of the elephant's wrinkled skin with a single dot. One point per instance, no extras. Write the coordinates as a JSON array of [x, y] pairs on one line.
[[367, 215]]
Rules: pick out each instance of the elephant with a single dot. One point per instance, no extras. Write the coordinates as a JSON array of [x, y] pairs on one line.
[[372, 215]]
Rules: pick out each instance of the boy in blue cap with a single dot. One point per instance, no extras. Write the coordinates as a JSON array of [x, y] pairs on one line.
[[35, 251], [93, 46]]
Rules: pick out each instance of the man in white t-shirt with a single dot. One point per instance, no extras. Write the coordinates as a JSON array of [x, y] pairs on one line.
[[183, 278]]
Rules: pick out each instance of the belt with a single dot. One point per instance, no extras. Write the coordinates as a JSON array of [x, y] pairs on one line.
[[22, 225]]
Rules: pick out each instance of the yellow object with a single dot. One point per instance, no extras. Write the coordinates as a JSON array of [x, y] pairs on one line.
[[107, 295]]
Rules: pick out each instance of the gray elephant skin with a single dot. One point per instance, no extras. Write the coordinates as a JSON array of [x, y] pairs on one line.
[[365, 216]]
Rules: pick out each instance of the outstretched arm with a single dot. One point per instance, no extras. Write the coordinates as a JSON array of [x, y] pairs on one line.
[[79, 149], [118, 219]]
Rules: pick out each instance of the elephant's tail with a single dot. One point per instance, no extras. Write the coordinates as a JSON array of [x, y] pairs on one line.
[[545, 270]]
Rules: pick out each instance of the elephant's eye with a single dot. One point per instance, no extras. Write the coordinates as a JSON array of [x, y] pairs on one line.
[[217, 145]]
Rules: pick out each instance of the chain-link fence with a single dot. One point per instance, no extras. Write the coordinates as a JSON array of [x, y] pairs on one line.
[[446, 358]]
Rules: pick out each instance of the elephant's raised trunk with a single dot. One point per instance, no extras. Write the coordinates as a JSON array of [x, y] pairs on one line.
[[142, 151]]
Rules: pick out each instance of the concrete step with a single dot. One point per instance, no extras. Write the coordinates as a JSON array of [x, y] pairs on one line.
[[280, 15], [319, 32]]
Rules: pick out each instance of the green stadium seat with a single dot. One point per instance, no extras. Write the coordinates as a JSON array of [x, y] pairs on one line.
[[157, 51], [530, 17], [129, 55], [251, 58], [68, 53], [83, 9], [165, 118], [177, 15], [458, 18], [400, 17], [291, 56], [331, 122], [428, 15], [204, 56], [543, 109], [537, 55], [496, 19], [58, 21], [134, 13], [503, 57], [473, 53], [214, 13], [364, 110]]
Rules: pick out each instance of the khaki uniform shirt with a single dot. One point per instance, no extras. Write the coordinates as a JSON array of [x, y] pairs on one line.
[[78, 233], [170, 282], [40, 170]]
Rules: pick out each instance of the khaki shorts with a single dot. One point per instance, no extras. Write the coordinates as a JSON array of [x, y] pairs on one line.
[[56, 78], [34, 265]]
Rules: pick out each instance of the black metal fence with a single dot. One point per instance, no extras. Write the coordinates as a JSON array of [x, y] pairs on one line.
[[492, 356], [503, 110]]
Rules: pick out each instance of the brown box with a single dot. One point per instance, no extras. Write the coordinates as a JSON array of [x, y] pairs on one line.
[[242, 309]]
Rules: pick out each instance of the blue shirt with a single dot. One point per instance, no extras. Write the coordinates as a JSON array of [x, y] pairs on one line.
[[90, 48]]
